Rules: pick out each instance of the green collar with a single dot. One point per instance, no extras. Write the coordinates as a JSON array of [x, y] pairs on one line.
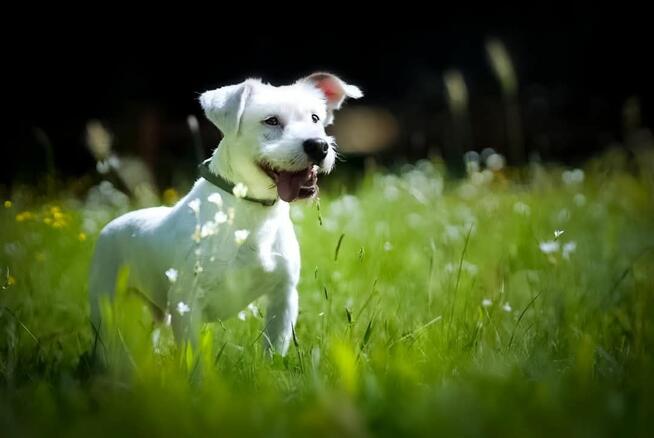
[[222, 183]]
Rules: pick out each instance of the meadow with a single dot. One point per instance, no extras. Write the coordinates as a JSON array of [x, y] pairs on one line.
[[512, 302]]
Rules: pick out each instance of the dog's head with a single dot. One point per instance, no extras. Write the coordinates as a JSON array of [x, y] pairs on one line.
[[275, 136]]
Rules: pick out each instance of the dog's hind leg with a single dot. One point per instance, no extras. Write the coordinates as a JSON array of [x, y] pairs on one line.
[[102, 279]]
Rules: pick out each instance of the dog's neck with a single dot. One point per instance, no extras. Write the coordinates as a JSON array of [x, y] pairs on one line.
[[237, 169]]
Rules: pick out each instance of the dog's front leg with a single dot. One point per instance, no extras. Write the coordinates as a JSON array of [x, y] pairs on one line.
[[186, 323], [281, 316]]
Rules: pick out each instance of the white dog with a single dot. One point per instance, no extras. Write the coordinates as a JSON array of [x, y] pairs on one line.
[[230, 240]]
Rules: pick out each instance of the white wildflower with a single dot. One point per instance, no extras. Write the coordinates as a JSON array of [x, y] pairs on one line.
[[197, 234], [220, 218], [472, 167], [568, 248], [254, 309], [478, 178], [244, 314], [486, 302], [240, 190], [216, 199], [471, 157], [183, 308], [209, 229], [521, 208], [470, 268], [580, 200], [194, 205], [485, 153], [495, 162], [172, 275], [240, 236], [549, 247], [468, 191], [487, 176], [571, 177], [102, 166], [558, 233], [507, 307], [198, 268], [452, 233], [391, 193], [114, 162]]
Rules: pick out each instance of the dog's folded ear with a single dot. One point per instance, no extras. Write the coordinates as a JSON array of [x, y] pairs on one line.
[[224, 106], [334, 89]]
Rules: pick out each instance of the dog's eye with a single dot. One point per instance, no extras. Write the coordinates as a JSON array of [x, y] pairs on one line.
[[315, 118], [272, 121]]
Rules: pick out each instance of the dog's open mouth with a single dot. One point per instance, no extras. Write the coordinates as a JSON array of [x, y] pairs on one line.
[[293, 185]]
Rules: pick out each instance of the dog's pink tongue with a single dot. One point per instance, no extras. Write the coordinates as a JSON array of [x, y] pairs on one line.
[[289, 184]]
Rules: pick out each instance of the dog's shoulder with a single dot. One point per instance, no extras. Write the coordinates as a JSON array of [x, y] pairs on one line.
[[136, 222]]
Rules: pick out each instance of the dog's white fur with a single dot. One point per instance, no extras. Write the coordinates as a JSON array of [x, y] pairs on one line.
[[217, 275]]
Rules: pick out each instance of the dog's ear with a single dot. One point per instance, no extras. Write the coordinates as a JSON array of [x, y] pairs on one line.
[[224, 106], [334, 89]]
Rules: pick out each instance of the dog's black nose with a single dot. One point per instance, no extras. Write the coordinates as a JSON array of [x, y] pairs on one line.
[[316, 149]]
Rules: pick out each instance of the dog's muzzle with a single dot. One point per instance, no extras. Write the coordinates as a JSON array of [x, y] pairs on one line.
[[292, 185]]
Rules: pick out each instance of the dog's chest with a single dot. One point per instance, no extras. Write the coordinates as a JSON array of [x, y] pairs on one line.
[[233, 273]]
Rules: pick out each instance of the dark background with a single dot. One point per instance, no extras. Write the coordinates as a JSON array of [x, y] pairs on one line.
[[575, 67]]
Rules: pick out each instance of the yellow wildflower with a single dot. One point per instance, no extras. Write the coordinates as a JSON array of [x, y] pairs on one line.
[[24, 216], [170, 196]]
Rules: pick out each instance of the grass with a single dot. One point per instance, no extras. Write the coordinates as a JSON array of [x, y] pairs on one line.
[[428, 307]]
